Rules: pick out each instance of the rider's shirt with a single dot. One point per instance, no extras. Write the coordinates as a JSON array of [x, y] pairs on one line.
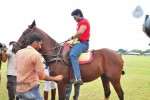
[[86, 35]]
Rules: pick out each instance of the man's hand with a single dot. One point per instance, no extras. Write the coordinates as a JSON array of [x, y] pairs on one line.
[[58, 78]]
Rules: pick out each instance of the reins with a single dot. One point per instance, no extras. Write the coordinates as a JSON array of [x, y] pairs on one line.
[[19, 45], [56, 46], [55, 57]]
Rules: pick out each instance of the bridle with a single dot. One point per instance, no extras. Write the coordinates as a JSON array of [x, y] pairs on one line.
[[19, 45]]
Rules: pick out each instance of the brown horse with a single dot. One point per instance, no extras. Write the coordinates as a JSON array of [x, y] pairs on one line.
[[106, 63]]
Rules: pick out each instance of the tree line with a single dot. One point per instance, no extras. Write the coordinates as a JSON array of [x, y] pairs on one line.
[[123, 51]]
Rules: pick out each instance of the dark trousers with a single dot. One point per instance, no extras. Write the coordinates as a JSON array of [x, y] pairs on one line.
[[11, 87], [76, 91]]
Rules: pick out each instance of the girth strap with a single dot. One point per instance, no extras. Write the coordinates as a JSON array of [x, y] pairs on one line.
[[56, 59], [59, 59]]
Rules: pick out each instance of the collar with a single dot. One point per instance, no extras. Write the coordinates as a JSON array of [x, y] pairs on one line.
[[30, 47], [80, 20]]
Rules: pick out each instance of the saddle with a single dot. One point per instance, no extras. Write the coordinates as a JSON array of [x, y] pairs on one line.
[[84, 58]]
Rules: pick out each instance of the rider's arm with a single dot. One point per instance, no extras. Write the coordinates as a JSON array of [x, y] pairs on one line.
[[80, 31]]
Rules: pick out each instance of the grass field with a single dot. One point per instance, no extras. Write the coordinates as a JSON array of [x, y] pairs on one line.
[[135, 83]]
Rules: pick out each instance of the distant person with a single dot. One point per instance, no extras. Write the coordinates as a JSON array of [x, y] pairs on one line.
[[30, 69], [76, 91], [49, 85], [9, 56]]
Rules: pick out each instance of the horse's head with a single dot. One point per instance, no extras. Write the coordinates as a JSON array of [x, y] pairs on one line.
[[47, 44], [23, 40]]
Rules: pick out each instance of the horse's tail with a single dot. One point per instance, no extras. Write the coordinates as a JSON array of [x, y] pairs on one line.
[[123, 72]]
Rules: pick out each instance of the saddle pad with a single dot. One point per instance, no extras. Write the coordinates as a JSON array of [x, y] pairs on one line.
[[85, 58]]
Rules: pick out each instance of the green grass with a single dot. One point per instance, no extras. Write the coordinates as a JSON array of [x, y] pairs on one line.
[[135, 83]]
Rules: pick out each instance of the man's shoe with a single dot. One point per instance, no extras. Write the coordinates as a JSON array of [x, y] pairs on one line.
[[78, 81]]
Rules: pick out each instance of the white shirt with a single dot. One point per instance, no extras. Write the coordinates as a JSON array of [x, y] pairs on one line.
[[11, 62]]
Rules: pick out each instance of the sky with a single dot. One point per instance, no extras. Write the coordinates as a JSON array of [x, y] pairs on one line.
[[112, 24]]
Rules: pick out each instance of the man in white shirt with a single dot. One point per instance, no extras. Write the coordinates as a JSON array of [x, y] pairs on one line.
[[11, 71]]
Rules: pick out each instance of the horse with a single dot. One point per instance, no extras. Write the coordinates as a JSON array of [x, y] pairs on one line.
[[107, 64]]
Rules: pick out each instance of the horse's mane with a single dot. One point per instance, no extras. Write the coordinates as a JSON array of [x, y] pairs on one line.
[[44, 33]]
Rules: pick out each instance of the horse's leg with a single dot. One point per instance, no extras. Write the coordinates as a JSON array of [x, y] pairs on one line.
[[106, 87], [117, 86], [62, 90]]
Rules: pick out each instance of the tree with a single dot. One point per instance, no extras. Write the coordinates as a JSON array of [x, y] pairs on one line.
[[137, 51], [146, 51], [122, 51]]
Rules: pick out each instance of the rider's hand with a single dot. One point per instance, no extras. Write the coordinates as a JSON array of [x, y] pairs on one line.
[[69, 39]]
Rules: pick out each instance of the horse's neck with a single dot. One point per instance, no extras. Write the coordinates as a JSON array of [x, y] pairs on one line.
[[50, 46]]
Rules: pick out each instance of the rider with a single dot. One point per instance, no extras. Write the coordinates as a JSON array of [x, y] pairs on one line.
[[83, 35]]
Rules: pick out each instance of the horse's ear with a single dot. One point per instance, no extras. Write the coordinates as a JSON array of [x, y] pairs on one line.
[[32, 25]]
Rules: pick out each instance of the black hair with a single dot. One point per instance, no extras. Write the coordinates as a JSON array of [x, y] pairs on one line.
[[34, 37], [77, 12], [1, 45], [12, 42]]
